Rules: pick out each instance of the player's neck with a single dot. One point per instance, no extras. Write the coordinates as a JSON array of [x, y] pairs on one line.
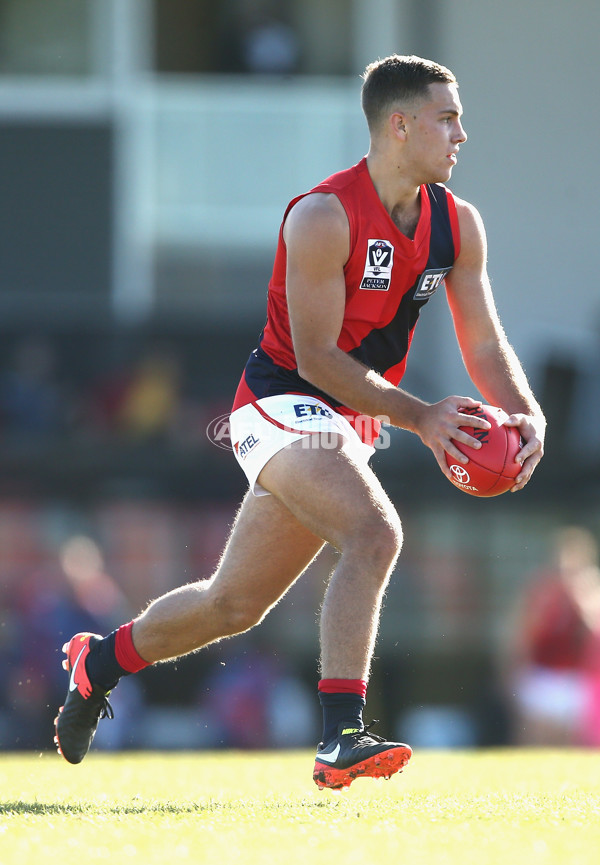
[[396, 189], [399, 194]]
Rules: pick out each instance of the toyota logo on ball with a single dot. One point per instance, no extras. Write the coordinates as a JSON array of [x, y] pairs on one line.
[[460, 475]]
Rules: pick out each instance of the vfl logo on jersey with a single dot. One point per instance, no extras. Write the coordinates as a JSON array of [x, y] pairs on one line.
[[430, 281], [378, 266]]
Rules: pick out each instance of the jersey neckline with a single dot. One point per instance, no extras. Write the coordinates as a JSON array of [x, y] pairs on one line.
[[410, 247]]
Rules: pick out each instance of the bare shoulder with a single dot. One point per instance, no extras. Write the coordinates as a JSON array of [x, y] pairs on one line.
[[473, 243], [468, 216], [319, 220]]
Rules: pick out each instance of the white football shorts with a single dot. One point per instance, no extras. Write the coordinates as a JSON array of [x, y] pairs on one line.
[[261, 429]]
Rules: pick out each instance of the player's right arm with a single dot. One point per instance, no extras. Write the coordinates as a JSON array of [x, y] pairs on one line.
[[317, 238]]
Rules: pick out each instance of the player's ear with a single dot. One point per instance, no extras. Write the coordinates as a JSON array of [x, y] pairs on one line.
[[398, 124]]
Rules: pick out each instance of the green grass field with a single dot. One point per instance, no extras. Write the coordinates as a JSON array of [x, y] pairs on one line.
[[481, 807]]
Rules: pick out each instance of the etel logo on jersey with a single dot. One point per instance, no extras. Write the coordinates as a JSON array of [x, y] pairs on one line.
[[430, 281], [306, 410], [378, 266]]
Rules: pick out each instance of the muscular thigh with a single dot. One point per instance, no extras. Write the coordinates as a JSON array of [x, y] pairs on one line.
[[267, 550], [333, 494]]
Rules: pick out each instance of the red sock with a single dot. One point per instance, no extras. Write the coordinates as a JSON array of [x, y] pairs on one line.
[[343, 686], [126, 653]]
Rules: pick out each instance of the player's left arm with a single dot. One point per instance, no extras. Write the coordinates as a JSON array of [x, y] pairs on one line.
[[489, 358]]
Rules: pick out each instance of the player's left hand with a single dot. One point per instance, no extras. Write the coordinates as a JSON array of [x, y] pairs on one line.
[[533, 431]]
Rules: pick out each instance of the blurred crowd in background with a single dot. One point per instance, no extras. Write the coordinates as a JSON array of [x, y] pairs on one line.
[[54, 582], [542, 687], [139, 397]]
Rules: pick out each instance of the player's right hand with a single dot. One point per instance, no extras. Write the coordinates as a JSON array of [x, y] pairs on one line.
[[440, 423]]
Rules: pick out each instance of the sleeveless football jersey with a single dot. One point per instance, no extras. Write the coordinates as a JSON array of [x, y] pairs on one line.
[[389, 278]]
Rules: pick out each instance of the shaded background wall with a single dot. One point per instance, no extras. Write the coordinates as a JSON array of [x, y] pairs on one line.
[[147, 152]]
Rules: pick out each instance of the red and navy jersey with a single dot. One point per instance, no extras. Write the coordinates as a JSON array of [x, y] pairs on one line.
[[389, 278]]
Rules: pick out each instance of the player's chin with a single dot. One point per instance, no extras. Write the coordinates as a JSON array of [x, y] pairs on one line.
[[443, 175]]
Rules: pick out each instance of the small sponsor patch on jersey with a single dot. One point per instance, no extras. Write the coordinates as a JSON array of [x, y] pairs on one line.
[[378, 266], [430, 281], [305, 411], [244, 447]]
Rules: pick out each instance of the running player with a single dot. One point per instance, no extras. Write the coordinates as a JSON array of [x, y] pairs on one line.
[[357, 259]]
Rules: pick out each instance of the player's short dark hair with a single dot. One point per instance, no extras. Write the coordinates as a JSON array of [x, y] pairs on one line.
[[396, 80]]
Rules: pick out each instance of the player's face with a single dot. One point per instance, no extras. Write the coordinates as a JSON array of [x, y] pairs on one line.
[[435, 134]]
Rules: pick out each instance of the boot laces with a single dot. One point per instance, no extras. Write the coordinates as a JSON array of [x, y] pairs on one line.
[[365, 735], [106, 710]]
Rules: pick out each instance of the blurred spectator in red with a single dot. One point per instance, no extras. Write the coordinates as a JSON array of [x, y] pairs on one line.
[[553, 659]]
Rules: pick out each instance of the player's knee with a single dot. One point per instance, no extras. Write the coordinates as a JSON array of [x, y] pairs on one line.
[[388, 539], [397, 534], [381, 539], [236, 614]]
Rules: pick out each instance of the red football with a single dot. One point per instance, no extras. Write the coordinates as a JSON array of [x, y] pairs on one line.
[[491, 469]]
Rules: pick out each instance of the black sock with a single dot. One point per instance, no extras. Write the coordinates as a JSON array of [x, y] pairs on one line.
[[101, 664], [338, 708]]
